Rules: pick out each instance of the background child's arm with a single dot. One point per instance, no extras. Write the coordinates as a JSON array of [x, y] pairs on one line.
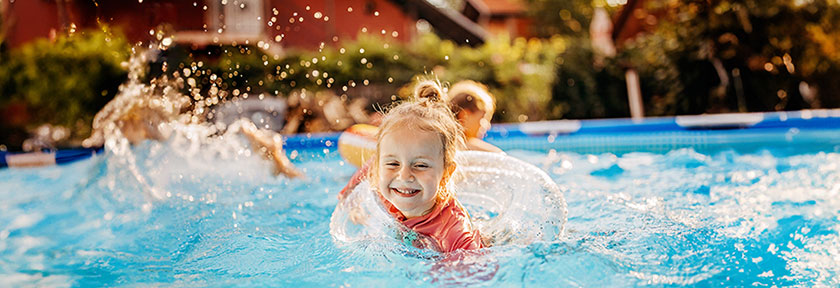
[[271, 146]]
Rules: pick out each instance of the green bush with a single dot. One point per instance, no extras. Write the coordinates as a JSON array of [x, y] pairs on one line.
[[562, 77], [65, 81], [519, 72], [766, 50]]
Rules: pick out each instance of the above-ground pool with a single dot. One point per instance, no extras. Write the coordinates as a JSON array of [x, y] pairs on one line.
[[750, 200]]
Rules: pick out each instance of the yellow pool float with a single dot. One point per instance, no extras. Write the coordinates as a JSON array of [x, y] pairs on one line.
[[357, 144]]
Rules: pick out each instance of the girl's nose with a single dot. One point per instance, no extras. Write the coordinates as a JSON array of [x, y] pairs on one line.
[[405, 174]]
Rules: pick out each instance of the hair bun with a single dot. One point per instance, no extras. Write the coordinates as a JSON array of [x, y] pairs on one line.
[[428, 90]]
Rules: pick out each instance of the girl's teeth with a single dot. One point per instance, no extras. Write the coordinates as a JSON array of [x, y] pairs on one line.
[[410, 191]]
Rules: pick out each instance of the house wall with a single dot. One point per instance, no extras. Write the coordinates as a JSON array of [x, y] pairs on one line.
[[513, 26], [28, 20], [342, 24], [31, 19], [136, 19]]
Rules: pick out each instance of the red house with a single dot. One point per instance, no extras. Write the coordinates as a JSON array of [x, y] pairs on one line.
[[278, 23]]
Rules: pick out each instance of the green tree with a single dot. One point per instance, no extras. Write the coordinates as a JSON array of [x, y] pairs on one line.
[[568, 18], [767, 49], [705, 56]]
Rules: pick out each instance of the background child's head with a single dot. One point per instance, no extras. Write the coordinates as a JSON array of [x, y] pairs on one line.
[[473, 105], [415, 151]]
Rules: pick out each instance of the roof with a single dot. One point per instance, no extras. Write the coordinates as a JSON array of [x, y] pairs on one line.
[[448, 23], [503, 7]]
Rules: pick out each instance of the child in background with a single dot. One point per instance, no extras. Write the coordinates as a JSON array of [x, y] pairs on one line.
[[473, 105], [414, 161], [270, 145], [138, 118]]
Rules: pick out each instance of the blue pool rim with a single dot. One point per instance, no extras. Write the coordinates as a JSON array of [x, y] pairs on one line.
[[616, 135]]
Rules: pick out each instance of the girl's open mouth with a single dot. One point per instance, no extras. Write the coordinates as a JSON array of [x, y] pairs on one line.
[[405, 192]]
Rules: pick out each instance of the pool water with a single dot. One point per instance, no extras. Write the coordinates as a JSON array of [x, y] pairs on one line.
[[761, 216]]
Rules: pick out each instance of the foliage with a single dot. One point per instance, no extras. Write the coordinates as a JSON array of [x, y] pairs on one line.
[[718, 56], [771, 48], [569, 18], [765, 53], [67, 80], [585, 90], [4, 56], [518, 72], [585, 84]]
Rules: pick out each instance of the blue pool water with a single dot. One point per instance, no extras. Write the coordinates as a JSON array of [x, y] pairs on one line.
[[730, 215]]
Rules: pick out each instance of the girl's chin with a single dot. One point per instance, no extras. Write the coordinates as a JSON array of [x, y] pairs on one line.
[[412, 210], [412, 214]]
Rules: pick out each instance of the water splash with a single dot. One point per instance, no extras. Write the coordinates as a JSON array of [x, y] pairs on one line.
[[644, 227], [158, 112]]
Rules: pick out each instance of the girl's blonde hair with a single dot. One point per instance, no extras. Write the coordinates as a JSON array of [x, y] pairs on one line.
[[426, 112]]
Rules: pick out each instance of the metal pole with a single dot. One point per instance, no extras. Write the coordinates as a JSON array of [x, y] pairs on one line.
[[634, 94]]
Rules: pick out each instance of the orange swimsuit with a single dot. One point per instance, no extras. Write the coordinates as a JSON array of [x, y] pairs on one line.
[[448, 225]]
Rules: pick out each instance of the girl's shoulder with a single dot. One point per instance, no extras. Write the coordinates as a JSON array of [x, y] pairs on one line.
[[477, 144]]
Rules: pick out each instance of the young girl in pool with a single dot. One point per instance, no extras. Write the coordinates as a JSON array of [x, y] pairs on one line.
[[473, 106], [414, 161]]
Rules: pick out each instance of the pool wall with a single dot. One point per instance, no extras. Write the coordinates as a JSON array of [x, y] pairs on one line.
[[819, 128], [655, 134]]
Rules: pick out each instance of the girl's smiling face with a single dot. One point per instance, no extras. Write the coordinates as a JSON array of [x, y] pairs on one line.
[[411, 168]]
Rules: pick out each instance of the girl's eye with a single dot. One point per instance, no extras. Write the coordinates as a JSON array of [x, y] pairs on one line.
[[392, 164], [423, 166]]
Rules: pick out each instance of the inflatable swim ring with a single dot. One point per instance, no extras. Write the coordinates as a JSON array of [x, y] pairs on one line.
[[358, 143], [511, 202]]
